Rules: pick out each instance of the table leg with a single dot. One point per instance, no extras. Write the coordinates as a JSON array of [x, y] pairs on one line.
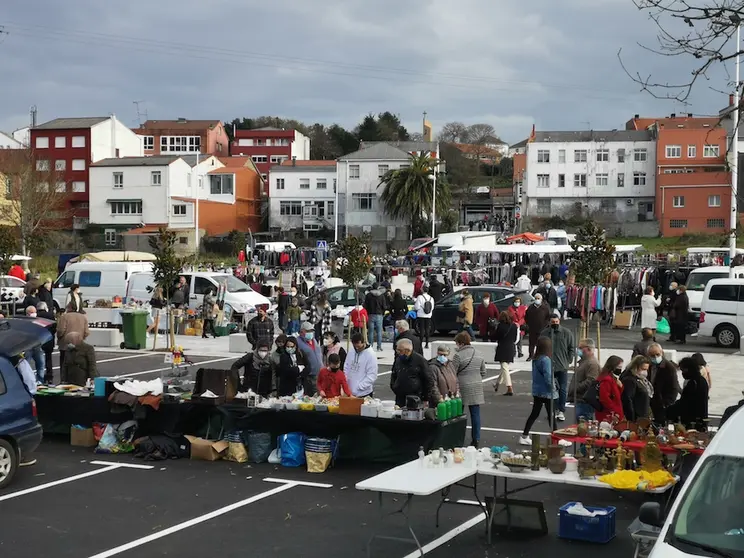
[[405, 510], [407, 513], [445, 495], [381, 519]]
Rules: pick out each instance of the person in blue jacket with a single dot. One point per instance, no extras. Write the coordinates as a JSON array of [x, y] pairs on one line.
[[312, 353], [544, 393]]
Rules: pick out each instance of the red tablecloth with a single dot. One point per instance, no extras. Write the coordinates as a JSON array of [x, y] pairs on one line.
[[635, 445]]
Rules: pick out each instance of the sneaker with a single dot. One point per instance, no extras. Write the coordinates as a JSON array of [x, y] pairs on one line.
[[525, 441], [560, 416]]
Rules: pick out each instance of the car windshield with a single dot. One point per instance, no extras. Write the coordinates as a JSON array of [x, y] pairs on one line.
[[711, 516], [232, 284], [697, 281]]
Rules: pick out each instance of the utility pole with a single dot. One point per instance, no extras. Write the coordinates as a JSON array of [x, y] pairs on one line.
[[735, 158]]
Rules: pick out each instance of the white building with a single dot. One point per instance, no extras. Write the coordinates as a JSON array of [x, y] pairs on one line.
[[302, 197], [359, 175], [7, 141], [607, 175]]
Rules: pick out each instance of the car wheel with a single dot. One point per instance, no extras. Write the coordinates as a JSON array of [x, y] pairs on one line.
[[727, 336], [8, 463]]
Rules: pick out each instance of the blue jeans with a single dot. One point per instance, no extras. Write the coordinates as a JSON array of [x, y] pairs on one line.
[[561, 376], [375, 323], [469, 329], [37, 356], [293, 327], [475, 421], [584, 410]]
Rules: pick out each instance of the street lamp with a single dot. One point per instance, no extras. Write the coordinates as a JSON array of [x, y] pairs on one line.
[[734, 223]]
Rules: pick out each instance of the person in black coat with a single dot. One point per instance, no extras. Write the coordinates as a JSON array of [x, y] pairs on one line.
[[663, 377], [42, 310], [258, 374], [691, 409], [404, 332], [678, 316], [436, 289], [44, 294], [288, 371], [399, 307], [637, 390], [506, 335]]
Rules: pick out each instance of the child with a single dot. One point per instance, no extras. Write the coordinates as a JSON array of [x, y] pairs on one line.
[[332, 380], [294, 314], [359, 319]]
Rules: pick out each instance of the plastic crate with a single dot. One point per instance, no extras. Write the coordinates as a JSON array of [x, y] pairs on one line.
[[599, 529]]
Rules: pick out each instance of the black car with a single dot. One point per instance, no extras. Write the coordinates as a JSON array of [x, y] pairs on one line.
[[339, 296], [444, 319]]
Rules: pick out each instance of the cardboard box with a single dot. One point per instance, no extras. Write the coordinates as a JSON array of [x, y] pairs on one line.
[[82, 437], [207, 450]]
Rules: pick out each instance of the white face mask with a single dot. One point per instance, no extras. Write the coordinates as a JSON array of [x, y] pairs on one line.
[[538, 301], [327, 342], [679, 292], [643, 373], [486, 302], [517, 304], [263, 354]]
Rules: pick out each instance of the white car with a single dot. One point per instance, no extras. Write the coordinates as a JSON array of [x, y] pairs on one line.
[[11, 290], [722, 311]]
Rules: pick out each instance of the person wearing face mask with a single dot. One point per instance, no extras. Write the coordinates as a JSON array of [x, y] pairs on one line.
[[444, 371], [678, 316], [506, 336], [288, 371], [548, 292], [471, 369], [332, 346], [537, 318], [516, 312], [663, 377], [361, 367], [332, 380], [610, 390], [637, 390], [649, 304], [561, 292], [485, 314], [465, 313], [564, 349], [312, 356], [280, 341], [258, 370], [294, 316], [691, 409], [411, 376], [283, 301], [260, 329], [584, 376]]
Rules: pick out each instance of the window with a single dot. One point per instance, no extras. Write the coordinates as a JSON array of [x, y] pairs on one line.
[[60, 165], [5, 181], [561, 181], [126, 208], [60, 187], [543, 207], [110, 236], [543, 180], [118, 180], [561, 155], [711, 151], [639, 179], [353, 172], [304, 183], [78, 141], [78, 164], [331, 208], [677, 171], [201, 284], [603, 155], [156, 178], [89, 279], [580, 156], [621, 180], [179, 209], [715, 224], [148, 142], [78, 187], [42, 165], [180, 144], [579, 180], [264, 176], [364, 202], [692, 151], [245, 142], [678, 201], [728, 293], [42, 143], [714, 201], [321, 184], [259, 158], [678, 223], [290, 208], [673, 151], [543, 156], [621, 155], [608, 206], [640, 155], [602, 179], [183, 239], [280, 184], [278, 159], [382, 170], [60, 142], [221, 184]]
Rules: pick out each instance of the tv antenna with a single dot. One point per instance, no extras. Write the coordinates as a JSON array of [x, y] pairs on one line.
[[140, 113]]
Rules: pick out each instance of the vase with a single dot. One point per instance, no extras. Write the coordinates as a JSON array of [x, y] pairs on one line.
[[535, 453], [556, 465]]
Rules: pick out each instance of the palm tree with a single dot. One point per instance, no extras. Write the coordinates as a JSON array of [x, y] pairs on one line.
[[407, 193]]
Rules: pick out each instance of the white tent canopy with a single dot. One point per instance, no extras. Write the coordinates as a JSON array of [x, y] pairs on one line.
[[490, 247], [114, 256]]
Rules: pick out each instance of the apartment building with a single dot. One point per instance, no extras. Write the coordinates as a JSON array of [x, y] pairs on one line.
[[609, 176], [184, 137]]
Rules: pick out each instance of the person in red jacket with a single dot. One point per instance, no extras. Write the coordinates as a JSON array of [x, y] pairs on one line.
[[484, 312], [332, 380], [17, 272], [517, 312], [610, 390], [418, 285], [359, 318]]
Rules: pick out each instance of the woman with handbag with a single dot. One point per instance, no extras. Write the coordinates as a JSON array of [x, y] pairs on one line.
[[465, 313], [485, 315], [471, 369], [506, 335]]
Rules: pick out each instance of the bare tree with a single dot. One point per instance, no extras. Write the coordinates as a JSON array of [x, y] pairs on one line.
[[36, 196], [699, 29], [481, 134], [454, 132]]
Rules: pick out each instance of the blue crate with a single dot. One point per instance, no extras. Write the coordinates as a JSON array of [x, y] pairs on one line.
[[599, 529]]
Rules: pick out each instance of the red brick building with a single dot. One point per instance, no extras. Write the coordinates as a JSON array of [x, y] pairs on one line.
[[184, 137]]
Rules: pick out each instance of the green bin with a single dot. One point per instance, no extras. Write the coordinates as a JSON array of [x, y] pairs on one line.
[[134, 328]]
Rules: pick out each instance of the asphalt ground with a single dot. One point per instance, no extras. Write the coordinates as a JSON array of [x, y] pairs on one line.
[[195, 508]]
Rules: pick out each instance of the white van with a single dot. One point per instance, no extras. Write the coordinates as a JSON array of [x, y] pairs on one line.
[[97, 280], [722, 313], [241, 298], [698, 279], [707, 518], [280, 246]]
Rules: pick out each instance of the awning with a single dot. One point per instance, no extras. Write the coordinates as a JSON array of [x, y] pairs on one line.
[[524, 237], [115, 256]]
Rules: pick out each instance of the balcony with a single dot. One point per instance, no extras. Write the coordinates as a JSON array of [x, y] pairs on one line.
[[79, 223]]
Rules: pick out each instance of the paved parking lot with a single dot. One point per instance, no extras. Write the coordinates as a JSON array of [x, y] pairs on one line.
[[86, 505]]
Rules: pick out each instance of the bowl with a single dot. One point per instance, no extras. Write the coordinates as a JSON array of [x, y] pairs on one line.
[[515, 468]]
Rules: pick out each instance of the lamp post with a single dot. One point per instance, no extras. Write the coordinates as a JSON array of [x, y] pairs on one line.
[[434, 196], [735, 149]]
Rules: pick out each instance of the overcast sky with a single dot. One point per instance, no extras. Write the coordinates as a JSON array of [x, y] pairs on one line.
[[508, 63]]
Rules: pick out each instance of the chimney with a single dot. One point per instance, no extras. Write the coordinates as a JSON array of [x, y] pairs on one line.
[[689, 115], [731, 100], [294, 161], [673, 115], [181, 119], [637, 116]]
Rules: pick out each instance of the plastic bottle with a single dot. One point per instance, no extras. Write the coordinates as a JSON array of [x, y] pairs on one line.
[[442, 411], [451, 408], [459, 407]]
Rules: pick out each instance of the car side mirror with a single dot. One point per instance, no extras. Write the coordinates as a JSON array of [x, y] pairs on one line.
[[650, 514]]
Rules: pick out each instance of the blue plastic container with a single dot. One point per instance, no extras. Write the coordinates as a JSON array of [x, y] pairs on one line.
[[599, 529], [99, 387]]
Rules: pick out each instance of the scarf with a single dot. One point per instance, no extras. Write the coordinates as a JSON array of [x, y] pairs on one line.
[[646, 386]]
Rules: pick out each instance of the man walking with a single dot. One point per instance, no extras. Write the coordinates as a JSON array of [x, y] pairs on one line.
[[375, 305], [424, 307], [564, 348]]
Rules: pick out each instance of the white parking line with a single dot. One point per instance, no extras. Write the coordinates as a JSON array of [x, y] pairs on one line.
[[168, 367], [138, 355], [448, 536]]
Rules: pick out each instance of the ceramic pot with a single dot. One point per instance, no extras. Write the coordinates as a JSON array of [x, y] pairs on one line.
[[556, 464]]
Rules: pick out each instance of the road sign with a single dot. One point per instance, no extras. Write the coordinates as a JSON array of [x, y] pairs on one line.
[[518, 209], [518, 216], [321, 245]]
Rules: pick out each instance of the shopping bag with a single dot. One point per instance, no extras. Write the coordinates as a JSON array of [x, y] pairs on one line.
[[292, 447], [662, 326], [236, 449], [259, 446]]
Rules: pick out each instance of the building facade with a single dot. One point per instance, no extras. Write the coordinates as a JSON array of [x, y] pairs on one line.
[[7, 141], [184, 137], [609, 176], [302, 199]]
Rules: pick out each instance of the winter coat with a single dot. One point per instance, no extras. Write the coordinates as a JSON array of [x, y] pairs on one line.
[[375, 303], [331, 383], [288, 374], [636, 402], [506, 336], [46, 296], [259, 380], [399, 309], [411, 376], [335, 349], [436, 289], [610, 396], [294, 313], [680, 308], [418, 286], [321, 315], [79, 364], [208, 308], [260, 331], [413, 338], [312, 356], [550, 295], [537, 317], [361, 371], [420, 304], [649, 304], [564, 347], [542, 378], [663, 378], [584, 376], [482, 315], [692, 407], [359, 318], [471, 369], [446, 376], [69, 322], [641, 348], [466, 310], [517, 314]]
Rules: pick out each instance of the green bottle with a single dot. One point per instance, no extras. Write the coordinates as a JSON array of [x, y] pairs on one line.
[[451, 408], [442, 411], [459, 406]]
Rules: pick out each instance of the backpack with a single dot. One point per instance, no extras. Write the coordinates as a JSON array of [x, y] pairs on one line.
[[427, 305]]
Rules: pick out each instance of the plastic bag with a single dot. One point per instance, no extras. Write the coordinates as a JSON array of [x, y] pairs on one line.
[[236, 452], [662, 326], [275, 457], [317, 462], [292, 448], [259, 446], [117, 438]]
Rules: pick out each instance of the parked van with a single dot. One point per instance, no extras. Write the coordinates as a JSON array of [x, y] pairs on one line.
[[699, 278], [280, 246], [558, 236], [97, 280], [707, 517], [722, 314], [241, 298]]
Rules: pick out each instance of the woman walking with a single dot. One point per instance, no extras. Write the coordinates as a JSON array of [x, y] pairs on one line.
[[465, 311], [544, 393], [516, 312], [471, 369], [506, 336]]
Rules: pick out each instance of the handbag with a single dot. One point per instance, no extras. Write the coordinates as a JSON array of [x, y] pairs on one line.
[[591, 396]]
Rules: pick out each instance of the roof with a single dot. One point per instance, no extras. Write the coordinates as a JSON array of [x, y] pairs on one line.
[[191, 159], [154, 161], [310, 163], [593, 135], [683, 121], [377, 151], [181, 124], [520, 144], [72, 123], [269, 129], [407, 146], [236, 161]]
